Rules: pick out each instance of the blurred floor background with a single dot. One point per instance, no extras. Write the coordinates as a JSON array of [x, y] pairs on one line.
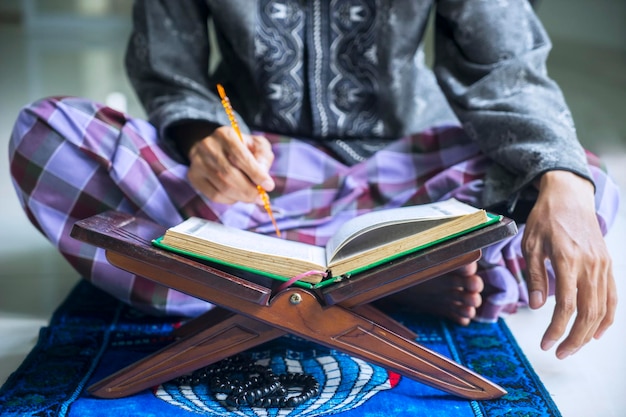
[[76, 47]]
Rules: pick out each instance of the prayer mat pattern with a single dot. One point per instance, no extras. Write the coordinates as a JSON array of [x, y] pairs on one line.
[[92, 335]]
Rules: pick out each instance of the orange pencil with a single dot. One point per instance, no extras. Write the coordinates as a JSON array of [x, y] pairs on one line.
[[233, 122]]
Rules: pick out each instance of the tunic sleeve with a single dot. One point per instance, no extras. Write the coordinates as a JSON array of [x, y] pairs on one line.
[[167, 61], [490, 61]]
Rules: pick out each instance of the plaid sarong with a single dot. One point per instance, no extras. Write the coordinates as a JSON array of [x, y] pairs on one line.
[[72, 158]]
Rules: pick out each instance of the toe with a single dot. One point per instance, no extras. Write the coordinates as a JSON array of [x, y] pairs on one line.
[[469, 269], [461, 314], [473, 299], [473, 283], [462, 297]]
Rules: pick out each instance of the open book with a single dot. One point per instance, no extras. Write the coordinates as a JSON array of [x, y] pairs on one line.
[[359, 244]]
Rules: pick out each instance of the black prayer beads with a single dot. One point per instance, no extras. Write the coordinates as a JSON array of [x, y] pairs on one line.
[[245, 383]]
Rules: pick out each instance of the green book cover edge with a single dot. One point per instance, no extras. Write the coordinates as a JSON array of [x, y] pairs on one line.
[[493, 218]]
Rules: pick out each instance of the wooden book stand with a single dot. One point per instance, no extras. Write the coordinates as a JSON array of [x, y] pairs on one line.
[[250, 311]]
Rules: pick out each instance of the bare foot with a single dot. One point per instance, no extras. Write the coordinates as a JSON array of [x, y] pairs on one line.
[[455, 296]]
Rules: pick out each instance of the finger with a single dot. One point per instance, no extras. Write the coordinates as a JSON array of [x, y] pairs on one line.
[[261, 148], [264, 155], [594, 280], [218, 180], [205, 187], [565, 296], [584, 326], [207, 184], [537, 280], [232, 185], [214, 174], [611, 305], [254, 160]]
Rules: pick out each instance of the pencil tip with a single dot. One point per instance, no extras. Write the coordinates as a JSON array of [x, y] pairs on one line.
[[221, 91]]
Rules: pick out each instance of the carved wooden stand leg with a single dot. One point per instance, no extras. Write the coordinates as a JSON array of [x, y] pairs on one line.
[[202, 347], [300, 312]]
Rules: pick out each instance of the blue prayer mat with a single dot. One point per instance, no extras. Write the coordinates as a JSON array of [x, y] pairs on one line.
[[92, 335]]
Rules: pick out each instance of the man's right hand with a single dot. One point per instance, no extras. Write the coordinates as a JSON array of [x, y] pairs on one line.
[[227, 170]]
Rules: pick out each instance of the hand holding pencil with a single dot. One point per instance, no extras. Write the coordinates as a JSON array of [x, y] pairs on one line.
[[233, 122], [225, 168]]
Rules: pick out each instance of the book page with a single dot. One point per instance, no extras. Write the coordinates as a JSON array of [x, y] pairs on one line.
[[243, 241], [377, 238], [368, 222]]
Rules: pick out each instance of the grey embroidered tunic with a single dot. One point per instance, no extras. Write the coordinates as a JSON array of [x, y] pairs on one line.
[[351, 74]]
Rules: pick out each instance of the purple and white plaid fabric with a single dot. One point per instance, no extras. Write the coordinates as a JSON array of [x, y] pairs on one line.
[[72, 158]]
